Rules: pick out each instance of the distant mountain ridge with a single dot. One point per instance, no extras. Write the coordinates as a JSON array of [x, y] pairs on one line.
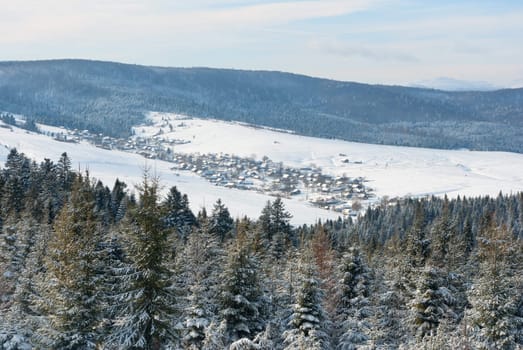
[[451, 84], [110, 97]]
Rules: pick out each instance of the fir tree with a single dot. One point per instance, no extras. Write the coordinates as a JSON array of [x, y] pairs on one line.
[[118, 204], [202, 256], [497, 292], [241, 298], [280, 228], [16, 183], [70, 288], [441, 234], [65, 173], [146, 306], [265, 225], [280, 217], [221, 222], [307, 325], [352, 312], [178, 214], [432, 303]]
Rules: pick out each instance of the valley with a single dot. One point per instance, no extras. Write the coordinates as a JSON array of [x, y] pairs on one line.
[[246, 166]]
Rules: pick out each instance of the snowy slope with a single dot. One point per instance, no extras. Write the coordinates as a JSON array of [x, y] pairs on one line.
[[391, 170], [108, 165]]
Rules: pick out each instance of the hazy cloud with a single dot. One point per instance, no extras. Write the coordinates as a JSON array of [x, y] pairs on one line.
[[25, 20], [467, 48], [344, 49]]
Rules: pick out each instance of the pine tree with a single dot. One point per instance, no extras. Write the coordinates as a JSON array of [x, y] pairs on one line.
[[202, 257], [281, 282], [418, 245], [307, 325], [432, 303], [16, 183], [51, 197], [70, 288], [241, 299], [118, 200], [441, 234], [280, 229], [18, 247], [178, 214], [221, 222], [389, 299], [215, 336], [20, 319], [265, 225], [496, 295], [146, 305], [280, 217], [65, 174], [102, 199], [353, 310]]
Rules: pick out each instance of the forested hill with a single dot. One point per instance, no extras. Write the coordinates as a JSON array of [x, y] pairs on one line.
[[111, 97]]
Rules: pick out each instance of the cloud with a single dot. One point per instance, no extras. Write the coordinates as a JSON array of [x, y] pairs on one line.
[[463, 47], [284, 12], [344, 49], [253, 16], [458, 24], [55, 19]]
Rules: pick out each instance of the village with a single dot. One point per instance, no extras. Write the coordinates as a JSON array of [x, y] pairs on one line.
[[342, 194]]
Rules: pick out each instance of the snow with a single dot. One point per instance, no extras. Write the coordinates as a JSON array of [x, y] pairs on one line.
[[391, 170], [108, 165]]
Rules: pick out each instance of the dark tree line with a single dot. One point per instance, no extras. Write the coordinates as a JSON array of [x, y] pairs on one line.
[[83, 266]]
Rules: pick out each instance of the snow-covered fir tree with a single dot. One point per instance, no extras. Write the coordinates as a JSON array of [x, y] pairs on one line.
[[69, 291], [306, 329], [274, 229], [146, 301], [202, 256], [178, 215], [19, 282], [432, 303], [241, 299], [497, 293], [353, 311], [220, 221]]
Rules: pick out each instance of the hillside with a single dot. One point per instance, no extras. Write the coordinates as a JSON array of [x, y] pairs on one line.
[[111, 97], [107, 166], [390, 171]]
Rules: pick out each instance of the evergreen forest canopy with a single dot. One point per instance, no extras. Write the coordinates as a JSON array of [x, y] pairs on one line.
[[83, 266], [110, 98]]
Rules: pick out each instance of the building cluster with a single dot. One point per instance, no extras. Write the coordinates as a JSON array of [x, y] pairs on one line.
[[155, 147], [339, 193]]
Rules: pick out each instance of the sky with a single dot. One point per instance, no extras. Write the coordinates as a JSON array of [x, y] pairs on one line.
[[372, 41]]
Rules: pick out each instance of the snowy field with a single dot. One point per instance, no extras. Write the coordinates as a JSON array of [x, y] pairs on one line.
[[391, 171], [108, 165]]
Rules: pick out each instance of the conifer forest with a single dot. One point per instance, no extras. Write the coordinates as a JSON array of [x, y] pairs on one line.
[[88, 265]]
